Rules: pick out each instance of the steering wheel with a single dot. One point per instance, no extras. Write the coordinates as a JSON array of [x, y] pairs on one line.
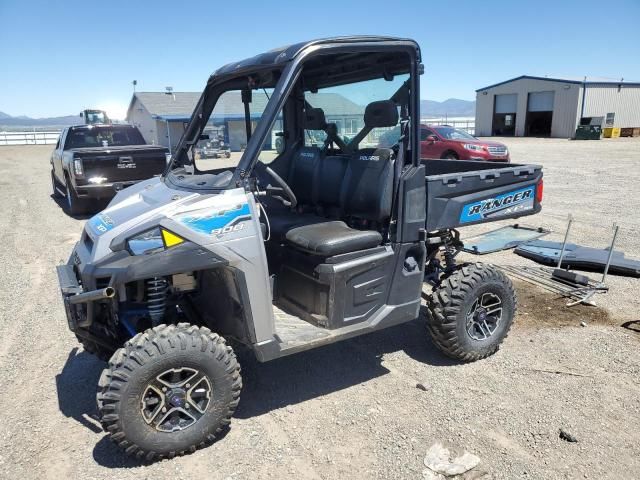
[[293, 201]]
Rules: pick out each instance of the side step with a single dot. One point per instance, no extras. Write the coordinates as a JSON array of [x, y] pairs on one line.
[[293, 335], [292, 331]]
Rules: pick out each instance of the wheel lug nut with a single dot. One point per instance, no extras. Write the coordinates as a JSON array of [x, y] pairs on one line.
[[164, 409], [188, 385], [164, 389]]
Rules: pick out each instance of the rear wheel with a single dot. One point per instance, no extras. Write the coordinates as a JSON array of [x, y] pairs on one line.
[[471, 311], [169, 391], [75, 205], [55, 187]]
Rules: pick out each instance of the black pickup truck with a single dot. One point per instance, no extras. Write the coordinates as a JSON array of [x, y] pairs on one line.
[[92, 162]]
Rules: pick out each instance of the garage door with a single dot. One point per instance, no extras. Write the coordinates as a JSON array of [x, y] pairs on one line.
[[507, 103], [540, 102]]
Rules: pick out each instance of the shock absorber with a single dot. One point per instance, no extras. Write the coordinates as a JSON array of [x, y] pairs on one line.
[[156, 298], [452, 246]]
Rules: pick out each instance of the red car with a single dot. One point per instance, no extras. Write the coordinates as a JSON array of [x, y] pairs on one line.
[[442, 141]]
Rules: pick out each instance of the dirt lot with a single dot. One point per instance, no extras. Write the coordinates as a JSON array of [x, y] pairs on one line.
[[350, 410]]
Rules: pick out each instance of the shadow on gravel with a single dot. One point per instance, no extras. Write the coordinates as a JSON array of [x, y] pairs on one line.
[[76, 386], [62, 203], [303, 376], [632, 325]]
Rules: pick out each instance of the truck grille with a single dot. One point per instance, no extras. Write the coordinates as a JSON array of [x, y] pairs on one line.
[[494, 150]]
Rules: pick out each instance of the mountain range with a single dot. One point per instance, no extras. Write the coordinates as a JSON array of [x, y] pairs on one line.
[[7, 120], [453, 107]]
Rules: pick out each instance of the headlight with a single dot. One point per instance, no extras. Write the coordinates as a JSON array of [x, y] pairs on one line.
[[473, 147], [77, 166], [152, 241]]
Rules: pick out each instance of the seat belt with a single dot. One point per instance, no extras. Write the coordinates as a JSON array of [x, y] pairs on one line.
[[399, 165]]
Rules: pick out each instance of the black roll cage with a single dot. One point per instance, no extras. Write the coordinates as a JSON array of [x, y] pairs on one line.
[[284, 85]]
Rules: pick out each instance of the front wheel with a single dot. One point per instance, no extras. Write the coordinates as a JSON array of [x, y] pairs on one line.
[[169, 391], [471, 311]]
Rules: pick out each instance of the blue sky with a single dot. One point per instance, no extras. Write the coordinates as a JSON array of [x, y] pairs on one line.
[[60, 57]]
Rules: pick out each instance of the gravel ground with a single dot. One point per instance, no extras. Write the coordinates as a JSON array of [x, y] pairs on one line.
[[350, 410]]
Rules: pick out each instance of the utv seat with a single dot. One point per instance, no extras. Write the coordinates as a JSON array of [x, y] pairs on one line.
[[358, 188], [365, 198], [332, 238]]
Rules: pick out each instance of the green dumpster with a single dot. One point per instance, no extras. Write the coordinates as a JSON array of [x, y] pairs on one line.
[[588, 132]]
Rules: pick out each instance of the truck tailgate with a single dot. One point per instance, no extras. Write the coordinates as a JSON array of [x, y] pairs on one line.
[[463, 192], [116, 164]]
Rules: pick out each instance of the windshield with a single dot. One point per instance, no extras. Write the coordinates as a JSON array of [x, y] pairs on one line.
[[224, 136], [87, 137], [451, 133]]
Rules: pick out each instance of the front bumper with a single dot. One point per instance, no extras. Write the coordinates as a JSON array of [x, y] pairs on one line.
[[84, 274], [490, 158], [69, 286]]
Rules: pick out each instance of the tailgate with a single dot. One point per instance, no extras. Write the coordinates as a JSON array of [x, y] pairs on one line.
[[123, 164], [479, 194]]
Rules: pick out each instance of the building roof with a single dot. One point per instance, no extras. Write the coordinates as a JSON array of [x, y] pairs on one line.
[[574, 80], [161, 103], [179, 106]]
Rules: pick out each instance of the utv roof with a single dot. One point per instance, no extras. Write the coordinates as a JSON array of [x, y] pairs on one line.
[[282, 55]]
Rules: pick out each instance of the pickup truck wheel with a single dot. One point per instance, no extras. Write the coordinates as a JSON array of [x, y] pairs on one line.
[[169, 391], [55, 187], [75, 205], [471, 311]]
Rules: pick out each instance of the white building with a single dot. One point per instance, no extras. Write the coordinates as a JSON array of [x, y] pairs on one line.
[[543, 107], [163, 116]]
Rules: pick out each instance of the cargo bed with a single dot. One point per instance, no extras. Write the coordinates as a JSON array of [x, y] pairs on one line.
[[464, 192]]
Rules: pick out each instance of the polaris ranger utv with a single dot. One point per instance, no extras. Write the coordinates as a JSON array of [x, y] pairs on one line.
[[292, 248]]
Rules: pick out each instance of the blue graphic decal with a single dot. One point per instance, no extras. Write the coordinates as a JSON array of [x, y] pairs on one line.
[[101, 223], [210, 222], [498, 206]]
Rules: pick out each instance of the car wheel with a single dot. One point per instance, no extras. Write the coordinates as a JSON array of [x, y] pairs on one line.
[[471, 311], [169, 391], [451, 155]]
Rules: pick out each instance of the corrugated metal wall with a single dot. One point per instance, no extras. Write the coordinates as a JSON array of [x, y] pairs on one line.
[[565, 108], [139, 116], [624, 102]]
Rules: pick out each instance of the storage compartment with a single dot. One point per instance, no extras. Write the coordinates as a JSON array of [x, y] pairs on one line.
[[469, 192], [335, 295]]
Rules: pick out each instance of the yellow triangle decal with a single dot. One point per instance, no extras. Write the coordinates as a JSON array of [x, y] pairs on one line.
[[171, 239]]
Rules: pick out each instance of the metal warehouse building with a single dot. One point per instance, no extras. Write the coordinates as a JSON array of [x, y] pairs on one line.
[[543, 107]]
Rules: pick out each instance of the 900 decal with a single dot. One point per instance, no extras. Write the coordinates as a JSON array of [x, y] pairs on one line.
[[500, 206], [228, 229], [219, 222]]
